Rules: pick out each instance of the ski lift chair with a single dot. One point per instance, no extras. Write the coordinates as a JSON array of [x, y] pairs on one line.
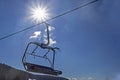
[[40, 68]]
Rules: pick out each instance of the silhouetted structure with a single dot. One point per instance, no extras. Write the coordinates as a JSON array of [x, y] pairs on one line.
[[10, 73]]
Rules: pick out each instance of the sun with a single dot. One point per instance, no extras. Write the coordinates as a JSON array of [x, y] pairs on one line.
[[39, 13]]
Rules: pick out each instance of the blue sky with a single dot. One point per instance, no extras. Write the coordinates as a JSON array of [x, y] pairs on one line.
[[88, 38]]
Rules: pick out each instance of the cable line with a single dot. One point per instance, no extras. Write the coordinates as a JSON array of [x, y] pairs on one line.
[[67, 12]]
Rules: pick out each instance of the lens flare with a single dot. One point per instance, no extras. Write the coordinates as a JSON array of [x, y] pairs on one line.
[[39, 13]]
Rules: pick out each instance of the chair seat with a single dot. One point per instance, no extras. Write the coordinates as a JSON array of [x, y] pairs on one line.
[[41, 69]]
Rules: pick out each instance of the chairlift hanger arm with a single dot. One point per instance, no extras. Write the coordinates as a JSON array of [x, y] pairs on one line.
[[48, 36], [43, 45]]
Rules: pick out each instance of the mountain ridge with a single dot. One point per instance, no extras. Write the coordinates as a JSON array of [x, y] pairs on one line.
[[10, 73]]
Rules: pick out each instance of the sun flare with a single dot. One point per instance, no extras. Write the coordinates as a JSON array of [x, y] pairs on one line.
[[39, 13]]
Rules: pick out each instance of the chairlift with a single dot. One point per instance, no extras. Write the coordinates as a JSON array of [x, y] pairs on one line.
[[37, 68]]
